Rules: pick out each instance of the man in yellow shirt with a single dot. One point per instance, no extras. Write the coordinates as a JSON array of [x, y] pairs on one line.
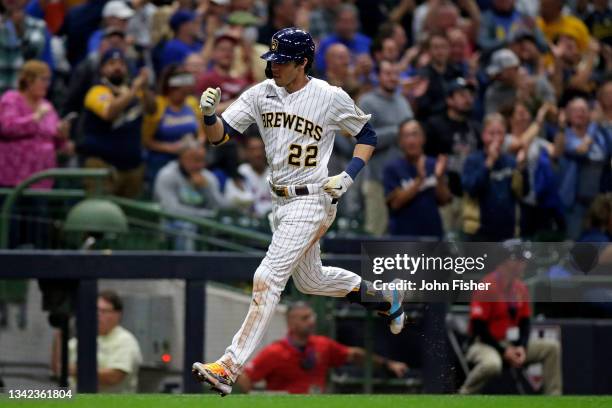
[[119, 355], [553, 23], [112, 124]]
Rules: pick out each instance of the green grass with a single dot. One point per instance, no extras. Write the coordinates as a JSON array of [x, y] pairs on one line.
[[318, 401]]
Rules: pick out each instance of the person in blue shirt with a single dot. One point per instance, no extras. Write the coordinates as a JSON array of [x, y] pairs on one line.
[[79, 24], [491, 182], [585, 164], [175, 51], [115, 14], [346, 32], [414, 186], [500, 22], [174, 123]]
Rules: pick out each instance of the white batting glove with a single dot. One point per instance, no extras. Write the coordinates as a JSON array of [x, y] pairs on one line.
[[209, 101], [338, 184]]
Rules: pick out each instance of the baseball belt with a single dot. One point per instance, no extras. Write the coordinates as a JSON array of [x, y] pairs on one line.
[[292, 191], [285, 191]]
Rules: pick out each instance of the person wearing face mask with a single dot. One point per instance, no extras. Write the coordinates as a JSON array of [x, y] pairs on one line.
[[112, 124]]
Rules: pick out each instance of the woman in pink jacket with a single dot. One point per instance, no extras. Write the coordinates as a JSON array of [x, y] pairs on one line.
[[30, 129]]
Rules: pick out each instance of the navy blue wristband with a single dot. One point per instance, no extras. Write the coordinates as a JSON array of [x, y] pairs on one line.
[[210, 120], [354, 167]]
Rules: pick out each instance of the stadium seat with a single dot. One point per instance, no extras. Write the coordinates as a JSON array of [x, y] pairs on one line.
[[457, 329]]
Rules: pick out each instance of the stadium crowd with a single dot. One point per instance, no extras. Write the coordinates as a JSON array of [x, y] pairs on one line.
[[494, 117]]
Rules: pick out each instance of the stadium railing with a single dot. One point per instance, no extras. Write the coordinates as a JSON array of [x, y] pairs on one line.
[[146, 220]]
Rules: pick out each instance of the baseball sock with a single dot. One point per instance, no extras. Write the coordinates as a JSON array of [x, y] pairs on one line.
[[368, 297]]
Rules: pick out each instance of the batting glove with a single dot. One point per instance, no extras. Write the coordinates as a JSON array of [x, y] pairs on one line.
[[338, 184], [209, 101]]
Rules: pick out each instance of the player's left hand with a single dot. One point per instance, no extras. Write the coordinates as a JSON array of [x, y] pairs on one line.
[[209, 100], [337, 185]]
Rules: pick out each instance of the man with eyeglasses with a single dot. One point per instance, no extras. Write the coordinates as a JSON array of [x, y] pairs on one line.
[[119, 355], [299, 363]]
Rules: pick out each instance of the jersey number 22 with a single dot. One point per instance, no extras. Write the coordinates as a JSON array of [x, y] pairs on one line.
[[310, 155]]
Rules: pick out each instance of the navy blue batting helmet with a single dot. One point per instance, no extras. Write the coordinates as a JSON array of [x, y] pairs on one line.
[[290, 44]]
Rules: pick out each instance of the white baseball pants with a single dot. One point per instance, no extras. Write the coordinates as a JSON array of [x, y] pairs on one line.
[[298, 224]]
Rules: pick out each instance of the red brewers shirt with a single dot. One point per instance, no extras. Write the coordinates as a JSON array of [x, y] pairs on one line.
[[493, 305], [280, 365]]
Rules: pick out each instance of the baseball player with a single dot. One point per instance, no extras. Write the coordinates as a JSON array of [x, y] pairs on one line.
[[297, 116]]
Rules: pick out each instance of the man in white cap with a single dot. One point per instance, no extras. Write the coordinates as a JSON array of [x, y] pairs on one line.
[[115, 14], [507, 85], [503, 70]]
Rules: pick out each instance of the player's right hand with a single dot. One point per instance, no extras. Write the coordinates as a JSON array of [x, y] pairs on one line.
[[209, 101]]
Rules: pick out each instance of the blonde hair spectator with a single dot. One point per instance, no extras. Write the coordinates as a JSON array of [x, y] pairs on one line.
[[30, 71], [493, 118], [31, 132]]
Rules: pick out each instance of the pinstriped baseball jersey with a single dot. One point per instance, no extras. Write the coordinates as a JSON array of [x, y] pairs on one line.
[[297, 128], [298, 132]]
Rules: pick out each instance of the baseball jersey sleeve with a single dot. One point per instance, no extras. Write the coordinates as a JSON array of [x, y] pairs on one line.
[[262, 365], [338, 353], [98, 99], [241, 113], [345, 115]]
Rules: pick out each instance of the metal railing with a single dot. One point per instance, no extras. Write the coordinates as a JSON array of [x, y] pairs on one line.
[[18, 190], [145, 218], [88, 267]]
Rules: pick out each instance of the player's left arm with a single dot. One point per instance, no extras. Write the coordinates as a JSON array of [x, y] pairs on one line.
[[366, 143], [348, 117], [364, 151], [236, 117]]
